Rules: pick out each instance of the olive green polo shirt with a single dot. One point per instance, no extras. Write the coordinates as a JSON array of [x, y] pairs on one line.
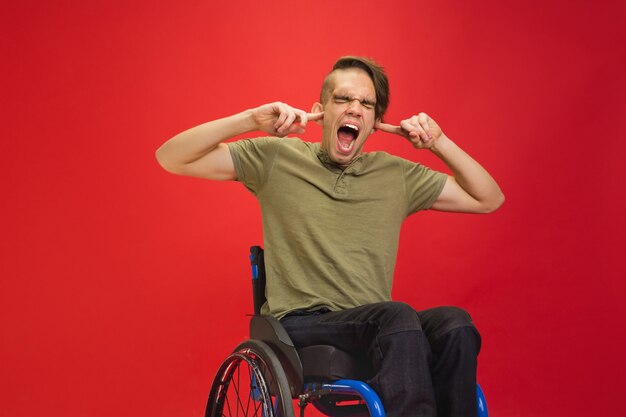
[[330, 235]]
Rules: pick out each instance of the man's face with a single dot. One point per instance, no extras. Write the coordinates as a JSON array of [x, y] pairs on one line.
[[349, 115]]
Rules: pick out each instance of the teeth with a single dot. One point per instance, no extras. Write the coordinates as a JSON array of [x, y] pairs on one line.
[[351, 126]]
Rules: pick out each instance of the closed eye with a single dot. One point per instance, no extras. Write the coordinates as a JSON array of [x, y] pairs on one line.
[[341, 99], [346, 99]]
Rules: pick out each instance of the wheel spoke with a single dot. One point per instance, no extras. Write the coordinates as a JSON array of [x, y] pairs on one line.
[[251, 392], [230, 413]]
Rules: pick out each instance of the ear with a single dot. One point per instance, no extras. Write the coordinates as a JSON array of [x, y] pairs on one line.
[[317, 107], [379, 120]]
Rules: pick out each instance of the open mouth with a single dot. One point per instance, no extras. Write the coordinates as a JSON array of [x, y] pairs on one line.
[[346, 136]]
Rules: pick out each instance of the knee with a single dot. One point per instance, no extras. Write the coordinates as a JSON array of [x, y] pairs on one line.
[[453, 317], [440, 321], [465, 341]]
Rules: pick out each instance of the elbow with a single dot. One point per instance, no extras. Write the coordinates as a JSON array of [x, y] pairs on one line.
[[494, 204], [161, 159], [165, 162]]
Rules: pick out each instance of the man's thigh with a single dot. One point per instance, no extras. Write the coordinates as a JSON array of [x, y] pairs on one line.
[[353, 329]]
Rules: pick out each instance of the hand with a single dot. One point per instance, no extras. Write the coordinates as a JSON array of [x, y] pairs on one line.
[[422, 131], [280, 119]]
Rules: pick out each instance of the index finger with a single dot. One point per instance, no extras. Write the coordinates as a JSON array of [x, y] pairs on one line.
[[304, 118], [315, 116], [385, 127]]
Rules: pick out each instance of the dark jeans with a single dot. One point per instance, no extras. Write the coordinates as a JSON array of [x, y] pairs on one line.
[[423, 363]]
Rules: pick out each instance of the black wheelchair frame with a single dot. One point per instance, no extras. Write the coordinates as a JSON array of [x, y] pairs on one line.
[[265, 374]]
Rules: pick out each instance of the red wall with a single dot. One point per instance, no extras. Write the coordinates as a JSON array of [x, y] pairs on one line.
[[123, 286]]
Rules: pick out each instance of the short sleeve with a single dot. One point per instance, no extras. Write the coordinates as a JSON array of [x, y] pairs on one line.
[[253, 159], [423, 185]]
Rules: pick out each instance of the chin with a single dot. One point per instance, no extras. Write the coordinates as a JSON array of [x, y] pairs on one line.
[[343, 160]]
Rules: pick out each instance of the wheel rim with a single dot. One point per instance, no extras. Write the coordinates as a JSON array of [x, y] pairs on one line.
[[245, 387]]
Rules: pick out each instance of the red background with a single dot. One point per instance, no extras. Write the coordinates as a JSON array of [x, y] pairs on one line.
[[123, 286]]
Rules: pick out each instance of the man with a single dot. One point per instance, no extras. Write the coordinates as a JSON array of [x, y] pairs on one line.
[[332, 217]]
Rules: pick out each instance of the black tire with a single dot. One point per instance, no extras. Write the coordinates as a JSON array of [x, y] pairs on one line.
[[250, 383]]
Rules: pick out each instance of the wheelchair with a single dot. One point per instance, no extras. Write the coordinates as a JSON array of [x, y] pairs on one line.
[[266, 376]]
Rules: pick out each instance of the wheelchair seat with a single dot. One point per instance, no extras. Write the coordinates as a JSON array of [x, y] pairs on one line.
[[309, 364], [327, 363]]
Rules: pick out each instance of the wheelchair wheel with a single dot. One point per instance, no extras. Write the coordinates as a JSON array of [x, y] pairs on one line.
[[250, 383]]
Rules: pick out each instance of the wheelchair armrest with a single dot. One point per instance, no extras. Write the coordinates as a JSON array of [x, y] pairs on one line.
[[269, 330]]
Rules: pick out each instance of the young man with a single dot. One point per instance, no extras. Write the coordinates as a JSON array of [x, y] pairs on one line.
[[332, 216]]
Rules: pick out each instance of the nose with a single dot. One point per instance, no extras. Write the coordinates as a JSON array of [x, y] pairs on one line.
[[355, 107]]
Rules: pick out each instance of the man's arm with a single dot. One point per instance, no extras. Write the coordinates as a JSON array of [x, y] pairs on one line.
[[199, 151], [471, 189]]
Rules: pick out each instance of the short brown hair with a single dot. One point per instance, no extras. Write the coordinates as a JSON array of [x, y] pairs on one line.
[[375, 72]]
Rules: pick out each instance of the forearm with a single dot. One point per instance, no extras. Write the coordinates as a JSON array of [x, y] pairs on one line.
[[193, 144], [472, 178]]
